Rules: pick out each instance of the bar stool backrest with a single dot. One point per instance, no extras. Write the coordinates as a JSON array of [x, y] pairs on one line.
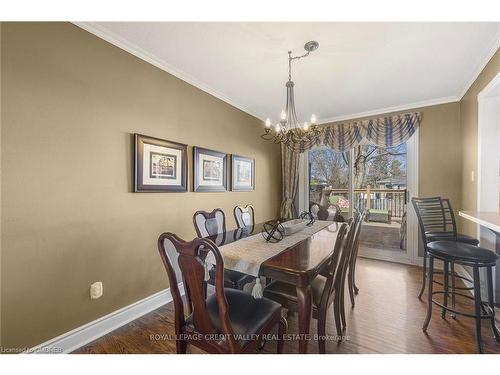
[[431, 215], [449, 218]]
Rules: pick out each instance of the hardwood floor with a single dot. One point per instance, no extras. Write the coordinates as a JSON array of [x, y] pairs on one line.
[[387, 318]]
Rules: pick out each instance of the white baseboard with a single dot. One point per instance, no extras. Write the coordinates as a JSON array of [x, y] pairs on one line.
[[385, 255], [76, 338]]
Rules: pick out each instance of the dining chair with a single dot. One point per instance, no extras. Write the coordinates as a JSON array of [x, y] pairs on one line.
[[351, 275], [229, 321], [437, 223], [213, 225], [318, 212], [326, 287], [354, 225], [322, 213], [244, 216], [209, 223], [354, 231]]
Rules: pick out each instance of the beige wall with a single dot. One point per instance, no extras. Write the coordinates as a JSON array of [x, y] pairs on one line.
[[70, 103], [439, 151], [469, 128]]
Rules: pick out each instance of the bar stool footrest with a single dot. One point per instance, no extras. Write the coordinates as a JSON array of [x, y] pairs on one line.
[[455, 275], [484, 305]]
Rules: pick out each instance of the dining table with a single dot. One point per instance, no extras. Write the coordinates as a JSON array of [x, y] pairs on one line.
[[491, 221], [298, 261]]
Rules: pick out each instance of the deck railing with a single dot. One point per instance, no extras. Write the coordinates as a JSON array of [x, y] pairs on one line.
[[380, 199]]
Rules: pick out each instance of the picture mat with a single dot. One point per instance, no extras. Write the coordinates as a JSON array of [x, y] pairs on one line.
[[243, 168], [147, 150], [209, 158]]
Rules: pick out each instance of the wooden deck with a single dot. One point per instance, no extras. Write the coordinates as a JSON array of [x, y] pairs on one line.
[[380, 236], [387, 318]]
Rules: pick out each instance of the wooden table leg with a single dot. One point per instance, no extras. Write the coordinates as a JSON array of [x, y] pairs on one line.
[[304, 299]]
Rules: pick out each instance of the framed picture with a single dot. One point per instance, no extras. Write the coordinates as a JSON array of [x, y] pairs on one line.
[[243, 173], [210, 170], [159, 165]]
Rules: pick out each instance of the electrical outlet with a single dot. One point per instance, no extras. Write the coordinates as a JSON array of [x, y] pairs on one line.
[[96, 290]]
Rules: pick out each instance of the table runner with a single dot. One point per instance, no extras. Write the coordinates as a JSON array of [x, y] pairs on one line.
[[247, 255]]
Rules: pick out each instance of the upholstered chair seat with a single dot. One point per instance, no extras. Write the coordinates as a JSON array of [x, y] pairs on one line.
[[248, 315], [446, 236], [235, 278], [461, 251]]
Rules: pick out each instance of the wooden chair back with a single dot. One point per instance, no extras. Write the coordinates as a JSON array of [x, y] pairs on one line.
[[344, 247], [184, 261], [355, 243], [336, 264], [314, 209], [319, 212], [244, 216], [209, 223]]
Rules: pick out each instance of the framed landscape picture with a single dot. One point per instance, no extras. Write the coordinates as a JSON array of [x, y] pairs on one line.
[[159, 165], [243, 173], [209, 170]]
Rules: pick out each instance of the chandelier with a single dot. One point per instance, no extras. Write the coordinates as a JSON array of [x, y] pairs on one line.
[[288, 130]]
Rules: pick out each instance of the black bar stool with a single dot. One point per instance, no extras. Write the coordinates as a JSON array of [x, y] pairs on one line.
[[467, 255], [437, 223]]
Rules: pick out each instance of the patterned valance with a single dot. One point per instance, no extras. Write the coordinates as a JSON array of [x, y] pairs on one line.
[[384, 132]]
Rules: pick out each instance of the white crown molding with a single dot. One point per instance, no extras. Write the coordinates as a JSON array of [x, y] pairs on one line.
[[109, 36], [137, 51], [78, 337], [493, 49], [381, 111], [488, 88]]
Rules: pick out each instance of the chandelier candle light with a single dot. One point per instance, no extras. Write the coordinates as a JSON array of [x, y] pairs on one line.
[[288, 130]]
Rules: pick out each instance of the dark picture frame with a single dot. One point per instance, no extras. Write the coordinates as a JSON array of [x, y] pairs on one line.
[[238, 175], [158, 160], [212, 176]]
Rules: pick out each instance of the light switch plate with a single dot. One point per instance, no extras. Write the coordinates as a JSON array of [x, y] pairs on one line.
[[96, 290]]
